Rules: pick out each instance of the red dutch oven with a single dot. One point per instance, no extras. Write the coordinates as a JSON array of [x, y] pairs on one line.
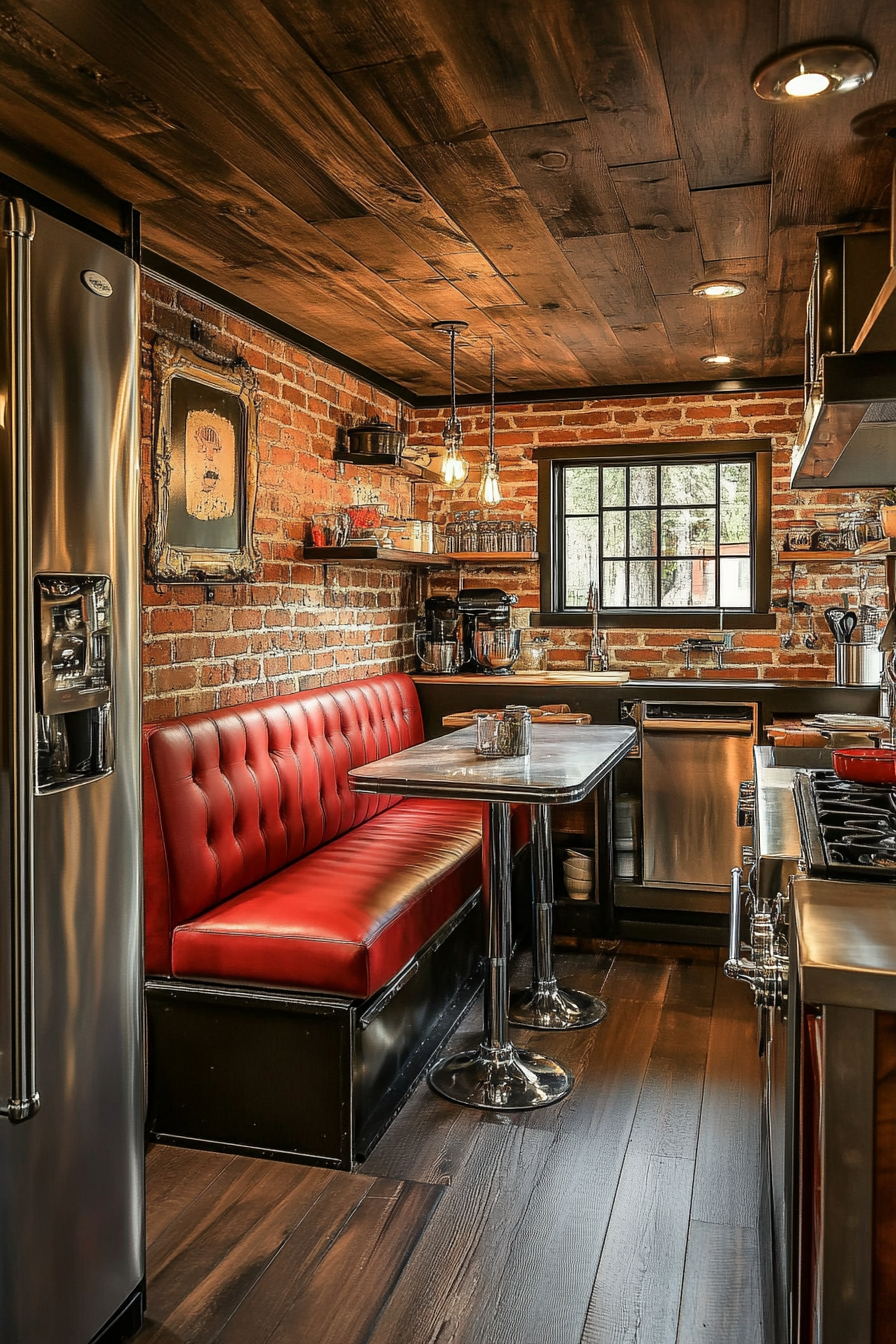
[[866, 765]]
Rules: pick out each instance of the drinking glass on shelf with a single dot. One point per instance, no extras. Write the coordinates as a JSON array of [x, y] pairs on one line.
[[342, 528], [452, 535], [488, 535], [508, 535], [528, 537], [469, 536]]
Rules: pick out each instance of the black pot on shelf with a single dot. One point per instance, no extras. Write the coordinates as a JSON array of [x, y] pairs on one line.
[[375, 437]]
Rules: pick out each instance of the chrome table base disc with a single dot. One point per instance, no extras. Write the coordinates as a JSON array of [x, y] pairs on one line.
[[503, 1080], [555, 1009]]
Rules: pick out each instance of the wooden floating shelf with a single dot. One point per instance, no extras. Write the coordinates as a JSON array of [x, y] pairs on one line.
[[385, 555], [494, 557], [392, 555], [387, 460], [887, 552], [817, 557]]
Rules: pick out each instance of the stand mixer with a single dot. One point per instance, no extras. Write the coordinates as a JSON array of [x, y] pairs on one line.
[[490, 644]]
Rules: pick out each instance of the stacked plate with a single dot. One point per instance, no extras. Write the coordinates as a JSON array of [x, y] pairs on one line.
[[852, 723], [849, 730]]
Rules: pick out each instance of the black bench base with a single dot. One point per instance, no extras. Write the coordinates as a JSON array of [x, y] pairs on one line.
[[303, 1077]]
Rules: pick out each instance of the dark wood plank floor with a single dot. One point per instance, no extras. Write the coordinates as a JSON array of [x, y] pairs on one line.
[[627, 1214]]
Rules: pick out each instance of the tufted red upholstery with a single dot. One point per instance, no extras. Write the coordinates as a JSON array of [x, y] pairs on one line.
[[261, 865], [233, 795], [349, 916]]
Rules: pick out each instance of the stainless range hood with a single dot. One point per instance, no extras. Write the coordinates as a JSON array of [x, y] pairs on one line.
[[847, 436]]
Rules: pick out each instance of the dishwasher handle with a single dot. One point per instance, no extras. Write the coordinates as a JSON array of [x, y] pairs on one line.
[[730, 727]]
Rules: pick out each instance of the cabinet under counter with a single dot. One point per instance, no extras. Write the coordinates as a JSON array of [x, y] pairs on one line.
[[844, 1006], [624, 907]]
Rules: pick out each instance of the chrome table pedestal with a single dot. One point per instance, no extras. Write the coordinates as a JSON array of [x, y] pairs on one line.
[[564, 765], [544, 1004], [497, 1075]]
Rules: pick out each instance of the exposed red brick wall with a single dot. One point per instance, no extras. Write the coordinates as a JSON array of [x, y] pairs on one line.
[[653, 652], [299, 624], [303, 625]]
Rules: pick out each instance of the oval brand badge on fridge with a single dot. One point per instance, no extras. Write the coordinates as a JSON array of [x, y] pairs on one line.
[[96, 283]]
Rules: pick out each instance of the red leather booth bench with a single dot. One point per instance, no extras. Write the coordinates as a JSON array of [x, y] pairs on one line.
[[307, 948]]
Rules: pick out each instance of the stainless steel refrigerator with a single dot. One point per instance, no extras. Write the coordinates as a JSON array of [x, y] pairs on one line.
[[71, 1076]]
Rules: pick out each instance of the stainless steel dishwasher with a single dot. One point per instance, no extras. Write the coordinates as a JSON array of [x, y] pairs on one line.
[[693, 758]]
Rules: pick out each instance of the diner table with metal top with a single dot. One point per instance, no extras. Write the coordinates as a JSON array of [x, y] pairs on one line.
[[564, 765]]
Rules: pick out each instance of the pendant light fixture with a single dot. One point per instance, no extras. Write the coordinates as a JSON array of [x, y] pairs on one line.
[[455, 468], [489, 485]]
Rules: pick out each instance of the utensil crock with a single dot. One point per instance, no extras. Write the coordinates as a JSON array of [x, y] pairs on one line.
[[858, 664]]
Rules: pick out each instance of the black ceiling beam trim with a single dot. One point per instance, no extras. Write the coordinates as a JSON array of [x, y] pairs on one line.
[[209, 292], [121, 242], [781, 383]]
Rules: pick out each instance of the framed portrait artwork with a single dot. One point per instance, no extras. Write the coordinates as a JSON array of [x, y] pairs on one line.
[[204, 468]]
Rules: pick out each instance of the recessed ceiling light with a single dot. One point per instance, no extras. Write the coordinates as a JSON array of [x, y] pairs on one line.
[[814, 72], [716, 359], [807, 85], [718, 289]]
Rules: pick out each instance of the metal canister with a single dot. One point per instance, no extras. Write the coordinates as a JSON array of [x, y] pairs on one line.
[[858, 664], [515, 732]]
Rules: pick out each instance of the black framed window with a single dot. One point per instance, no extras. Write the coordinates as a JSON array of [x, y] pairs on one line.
[[658, 534], [665, 536]]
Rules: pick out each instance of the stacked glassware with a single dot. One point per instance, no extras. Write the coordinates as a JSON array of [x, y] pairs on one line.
[[467, 533]]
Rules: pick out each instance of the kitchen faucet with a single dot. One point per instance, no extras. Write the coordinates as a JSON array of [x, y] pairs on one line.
[[597, 658], [698, 644]]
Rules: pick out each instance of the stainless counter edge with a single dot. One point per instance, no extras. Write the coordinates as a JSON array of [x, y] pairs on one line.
[[846, 935], [776, 834]]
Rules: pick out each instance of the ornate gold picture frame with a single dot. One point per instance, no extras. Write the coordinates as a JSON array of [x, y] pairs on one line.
[[204, 469]]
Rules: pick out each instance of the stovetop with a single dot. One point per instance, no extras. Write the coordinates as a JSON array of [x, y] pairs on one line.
[[846, 829]]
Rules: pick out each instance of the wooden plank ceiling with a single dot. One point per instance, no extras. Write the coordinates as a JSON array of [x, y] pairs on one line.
[[556, 173]]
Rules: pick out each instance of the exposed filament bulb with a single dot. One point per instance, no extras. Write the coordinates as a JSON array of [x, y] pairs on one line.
[[490, 485]]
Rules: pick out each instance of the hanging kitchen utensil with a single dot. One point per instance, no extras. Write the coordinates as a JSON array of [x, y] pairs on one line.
[[834, 617], [811, 640], [789, 636]]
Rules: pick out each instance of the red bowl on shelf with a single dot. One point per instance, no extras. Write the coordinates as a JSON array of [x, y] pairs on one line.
[[866, 765]]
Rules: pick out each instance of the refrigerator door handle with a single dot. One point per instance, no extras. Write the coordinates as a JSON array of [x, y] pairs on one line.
[[18, 228]]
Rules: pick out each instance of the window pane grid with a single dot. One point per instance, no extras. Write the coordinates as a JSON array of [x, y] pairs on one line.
[[664, 537]]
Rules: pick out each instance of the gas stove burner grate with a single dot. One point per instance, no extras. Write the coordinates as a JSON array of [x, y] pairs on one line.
[[847, 829]]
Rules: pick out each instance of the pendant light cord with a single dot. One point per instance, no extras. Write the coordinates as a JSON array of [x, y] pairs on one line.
[[453, 395], [491, 423]]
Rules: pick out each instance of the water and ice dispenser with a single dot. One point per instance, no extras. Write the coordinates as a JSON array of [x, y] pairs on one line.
[[73, 691]]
